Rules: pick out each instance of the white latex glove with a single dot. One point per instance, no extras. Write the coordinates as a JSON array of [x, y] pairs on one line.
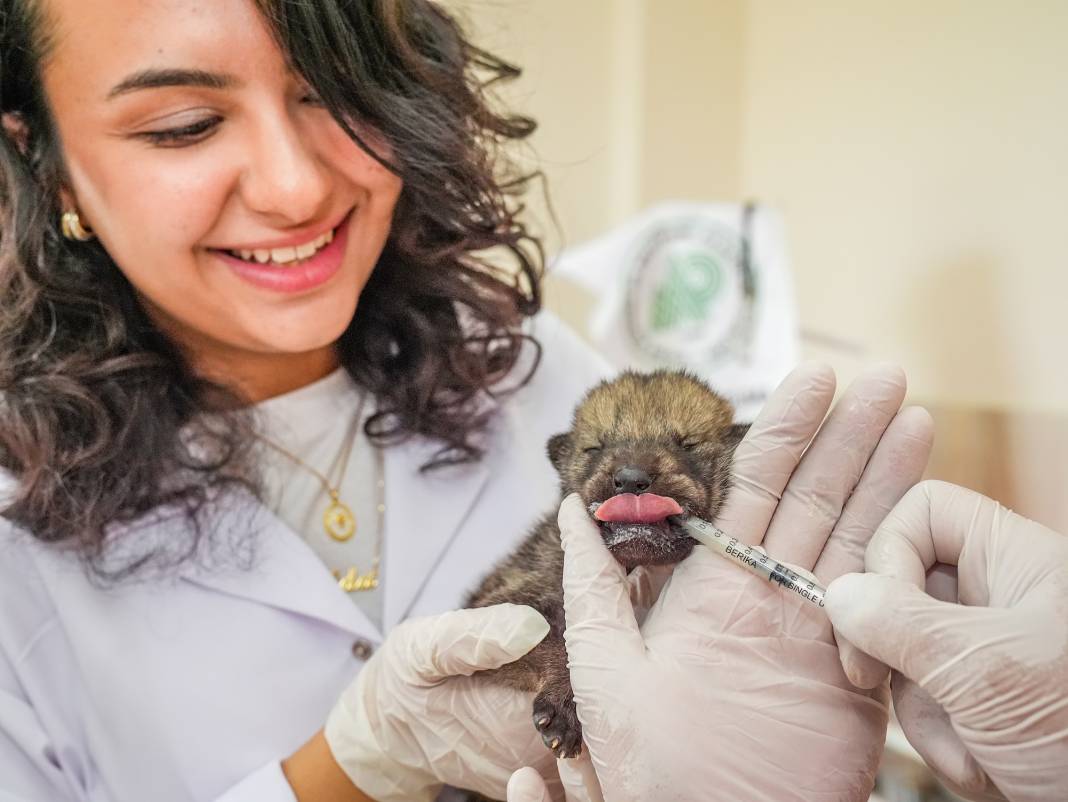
[[527, 785], [732, 689], [969, 602], [414, 719]]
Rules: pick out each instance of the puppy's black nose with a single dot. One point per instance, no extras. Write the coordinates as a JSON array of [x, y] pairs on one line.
[[632, 480]]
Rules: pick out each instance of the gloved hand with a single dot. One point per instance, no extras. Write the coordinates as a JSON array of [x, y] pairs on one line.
[[526, 785], [414, 718], [732, 689], [982, 691]]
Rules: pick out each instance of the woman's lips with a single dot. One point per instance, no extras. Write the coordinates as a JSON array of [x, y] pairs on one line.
[[306, 275]]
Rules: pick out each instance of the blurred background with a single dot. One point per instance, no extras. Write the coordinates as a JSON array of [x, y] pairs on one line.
[[916, 154]]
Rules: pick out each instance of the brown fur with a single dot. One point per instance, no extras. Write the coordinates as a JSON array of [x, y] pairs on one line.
[[670, 425]]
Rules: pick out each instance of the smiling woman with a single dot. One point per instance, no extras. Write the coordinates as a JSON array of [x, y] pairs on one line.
[[244, 296], [240, 196]]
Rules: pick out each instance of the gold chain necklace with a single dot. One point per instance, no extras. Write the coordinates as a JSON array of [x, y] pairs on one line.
[[338, 520]]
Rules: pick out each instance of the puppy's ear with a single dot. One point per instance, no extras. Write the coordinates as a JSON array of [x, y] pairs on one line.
[[734, 434], [559, 450]]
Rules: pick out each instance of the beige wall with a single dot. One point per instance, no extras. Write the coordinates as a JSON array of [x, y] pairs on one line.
[[570, 84], [919, 151], [618, 126]]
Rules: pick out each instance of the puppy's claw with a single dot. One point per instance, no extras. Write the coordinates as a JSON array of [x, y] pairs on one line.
[[556, 721]]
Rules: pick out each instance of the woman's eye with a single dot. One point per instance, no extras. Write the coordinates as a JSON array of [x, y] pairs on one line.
[[308, 95], [183, 135]]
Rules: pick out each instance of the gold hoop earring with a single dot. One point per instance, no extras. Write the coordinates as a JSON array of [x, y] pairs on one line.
[[73, 229]]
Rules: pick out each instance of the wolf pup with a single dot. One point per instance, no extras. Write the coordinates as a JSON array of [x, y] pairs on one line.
[[642, 449]]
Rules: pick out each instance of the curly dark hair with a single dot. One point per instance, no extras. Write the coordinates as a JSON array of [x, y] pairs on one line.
[[96, 404]]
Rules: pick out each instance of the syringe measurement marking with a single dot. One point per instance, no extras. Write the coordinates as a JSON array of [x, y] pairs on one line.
[[755, 560], [792, 581], [745, 558]]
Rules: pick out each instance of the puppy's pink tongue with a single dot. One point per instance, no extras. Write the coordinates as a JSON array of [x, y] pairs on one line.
[[644, 509]]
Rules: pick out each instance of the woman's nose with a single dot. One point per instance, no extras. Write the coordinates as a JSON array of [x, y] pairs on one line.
[[285, 177]]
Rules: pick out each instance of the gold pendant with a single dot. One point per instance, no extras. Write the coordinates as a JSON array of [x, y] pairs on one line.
[[339, 521], [353, 581]]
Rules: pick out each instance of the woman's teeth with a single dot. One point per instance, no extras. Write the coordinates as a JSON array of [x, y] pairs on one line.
[[285, 256]]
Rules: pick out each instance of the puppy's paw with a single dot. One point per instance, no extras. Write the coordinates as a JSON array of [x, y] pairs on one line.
[[555, 718]]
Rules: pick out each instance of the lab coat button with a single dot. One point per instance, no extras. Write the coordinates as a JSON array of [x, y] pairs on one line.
[[363, 649]]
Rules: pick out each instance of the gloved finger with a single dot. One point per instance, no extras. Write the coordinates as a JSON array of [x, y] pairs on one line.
[[904, 547], [771, 450], [475, 733], [908, 543], [928, 728], [900, 625], [937, 522], [526, 785], [465, 641], [579, 779], [897, 464], [832, 466], [865, 671], [600, 617]]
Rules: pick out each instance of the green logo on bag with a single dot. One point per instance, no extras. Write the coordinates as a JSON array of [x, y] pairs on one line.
[[692, 280], [690, 295]]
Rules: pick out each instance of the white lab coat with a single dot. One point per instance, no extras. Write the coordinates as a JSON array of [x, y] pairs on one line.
[[193, 686]]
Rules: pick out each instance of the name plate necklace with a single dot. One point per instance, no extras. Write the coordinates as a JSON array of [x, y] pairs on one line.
[[339, 522], [350, 579]]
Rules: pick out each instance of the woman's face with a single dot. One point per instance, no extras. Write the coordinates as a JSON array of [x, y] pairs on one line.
[[195, 154]]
